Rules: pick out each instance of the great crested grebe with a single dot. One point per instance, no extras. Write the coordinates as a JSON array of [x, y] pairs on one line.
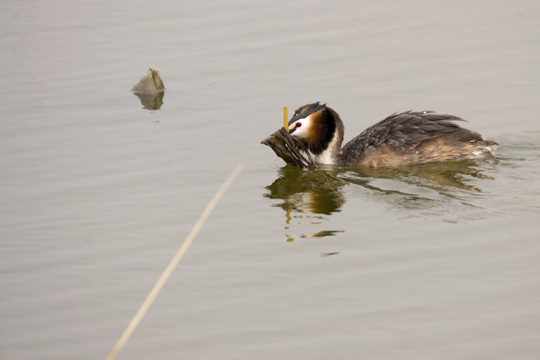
[[404, 138]]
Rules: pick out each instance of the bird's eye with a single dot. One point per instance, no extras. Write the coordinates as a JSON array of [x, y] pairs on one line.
[[298, 124]]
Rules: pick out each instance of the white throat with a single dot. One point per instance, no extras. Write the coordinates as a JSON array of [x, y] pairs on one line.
[[330, 155]]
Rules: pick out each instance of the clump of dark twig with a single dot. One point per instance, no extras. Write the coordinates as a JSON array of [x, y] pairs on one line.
[[289, 149]]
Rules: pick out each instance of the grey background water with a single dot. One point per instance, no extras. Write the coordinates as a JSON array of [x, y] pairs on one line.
[[98, 193]]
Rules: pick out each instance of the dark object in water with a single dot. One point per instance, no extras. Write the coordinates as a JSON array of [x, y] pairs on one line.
[[150, 89], [151, 83], [288, 148]]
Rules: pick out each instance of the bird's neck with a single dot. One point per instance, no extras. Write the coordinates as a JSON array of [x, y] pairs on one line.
[[328, 151]]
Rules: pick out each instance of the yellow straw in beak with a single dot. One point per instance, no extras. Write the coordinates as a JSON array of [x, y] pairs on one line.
[[285, 119]]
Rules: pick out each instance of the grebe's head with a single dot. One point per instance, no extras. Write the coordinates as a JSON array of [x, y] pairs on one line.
[[320, 129]]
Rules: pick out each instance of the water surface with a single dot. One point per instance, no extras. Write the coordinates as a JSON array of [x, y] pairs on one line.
[[99, 192]]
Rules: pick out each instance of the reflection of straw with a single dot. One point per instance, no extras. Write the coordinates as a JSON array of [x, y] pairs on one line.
[[172, 265]]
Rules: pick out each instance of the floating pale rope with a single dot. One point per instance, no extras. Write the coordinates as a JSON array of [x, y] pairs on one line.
[[172, 265]]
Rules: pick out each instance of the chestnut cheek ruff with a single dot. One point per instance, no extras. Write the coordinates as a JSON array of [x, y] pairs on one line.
[[321, 132]]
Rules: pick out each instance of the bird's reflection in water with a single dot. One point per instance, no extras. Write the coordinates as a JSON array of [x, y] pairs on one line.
[[311, 196], [316, 192], [308, 196]]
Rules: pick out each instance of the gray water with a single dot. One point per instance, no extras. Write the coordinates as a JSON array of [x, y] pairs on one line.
[[98, 192]]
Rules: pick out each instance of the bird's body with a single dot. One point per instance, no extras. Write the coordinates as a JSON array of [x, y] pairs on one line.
[[404, 138]]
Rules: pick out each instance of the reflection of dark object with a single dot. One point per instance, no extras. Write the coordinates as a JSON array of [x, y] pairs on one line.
[[288, 148], [150, 89], [316, 192], [405, 138], [151, 101], [329, 253], [322, 233]]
